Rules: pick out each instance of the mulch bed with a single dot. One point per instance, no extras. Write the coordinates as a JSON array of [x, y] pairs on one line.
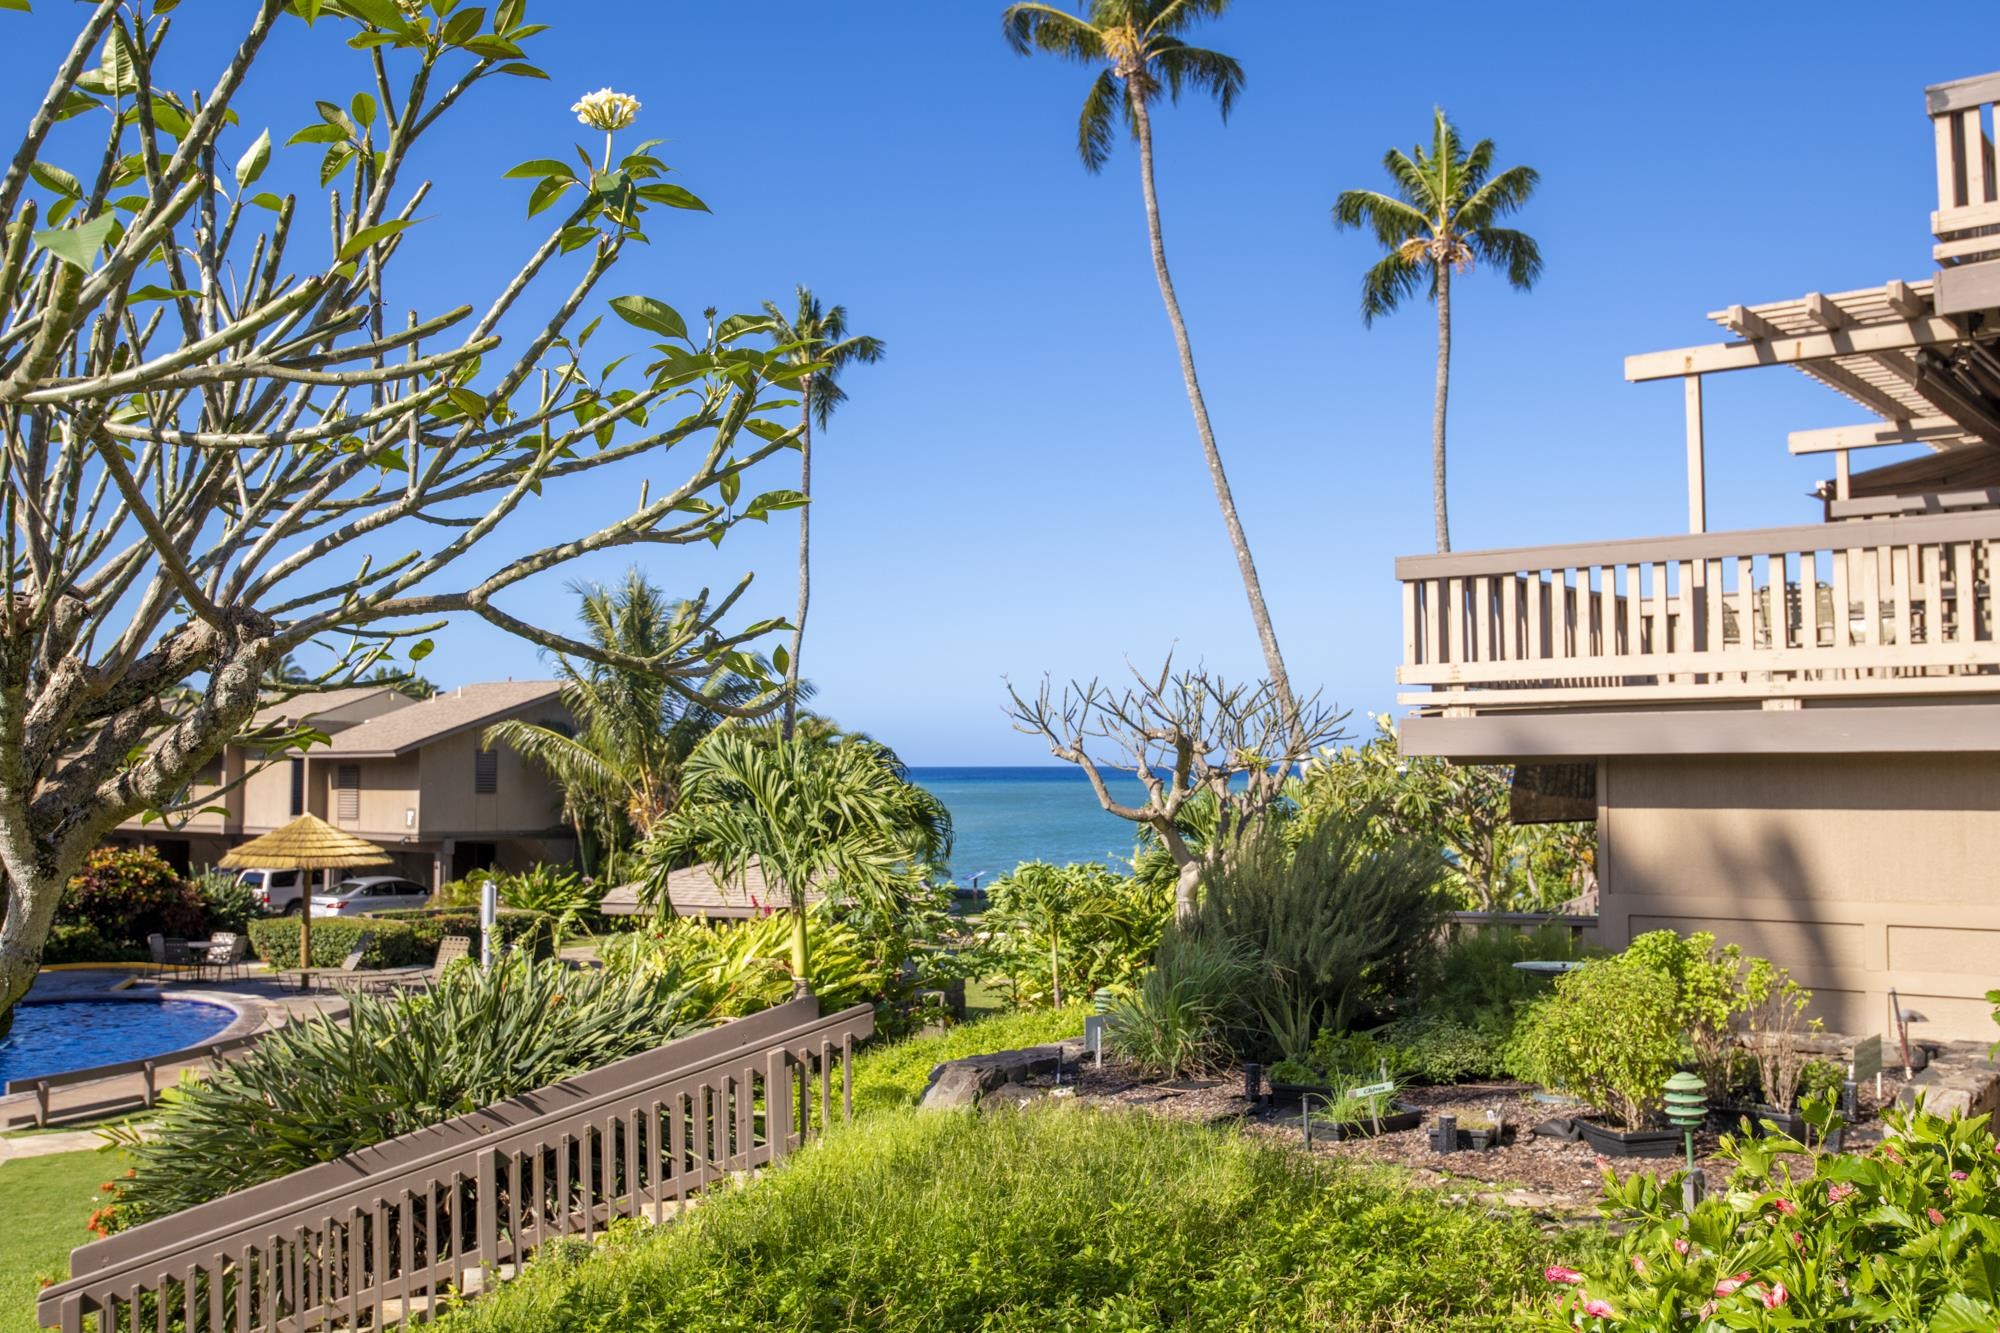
[[1547, 1175]]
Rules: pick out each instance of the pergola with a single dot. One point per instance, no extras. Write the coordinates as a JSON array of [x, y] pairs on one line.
[[1929, 379]]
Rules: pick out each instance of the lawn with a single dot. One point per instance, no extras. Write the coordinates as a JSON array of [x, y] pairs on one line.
[[1056, 1216], [44, 1202]]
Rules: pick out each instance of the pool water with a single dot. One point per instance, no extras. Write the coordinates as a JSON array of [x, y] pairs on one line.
[[78, 1034]]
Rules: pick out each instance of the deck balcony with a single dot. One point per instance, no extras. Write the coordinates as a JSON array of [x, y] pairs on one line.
[[1879, 609]]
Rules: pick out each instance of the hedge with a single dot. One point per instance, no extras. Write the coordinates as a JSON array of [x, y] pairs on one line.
[[400, 939]]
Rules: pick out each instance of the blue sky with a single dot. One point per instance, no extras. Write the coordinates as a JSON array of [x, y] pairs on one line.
[[1017, 487]]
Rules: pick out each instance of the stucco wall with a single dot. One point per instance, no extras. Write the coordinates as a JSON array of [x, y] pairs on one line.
[[1859, 873], [524, 801]]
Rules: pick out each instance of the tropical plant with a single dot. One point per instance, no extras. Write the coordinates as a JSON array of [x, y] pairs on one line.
[[1442, 217], [228, 902], [1339, 925], [1140, 51], [565, 897], [1899, 1236], [277, 461], [1608, 1033], [1178, 1018], [1473, 979], [1061, 932], [842, 818], [619, 766], [740, 967], [1774, 1018], [1708, 993], [316, 1089], [815, 338], [128, 893], [1463, 810]]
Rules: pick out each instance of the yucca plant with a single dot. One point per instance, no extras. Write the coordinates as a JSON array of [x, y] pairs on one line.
[[314, 1090]]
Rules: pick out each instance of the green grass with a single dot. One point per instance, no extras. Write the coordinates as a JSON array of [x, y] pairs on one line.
[[44, 1203], [896, 1074], [1056, 1216]]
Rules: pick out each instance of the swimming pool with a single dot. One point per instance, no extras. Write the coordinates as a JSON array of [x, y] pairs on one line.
[[60, 1035]]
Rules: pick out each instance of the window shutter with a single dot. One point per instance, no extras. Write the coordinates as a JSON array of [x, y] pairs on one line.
[[486, 772], [347, 788], [298, 787]]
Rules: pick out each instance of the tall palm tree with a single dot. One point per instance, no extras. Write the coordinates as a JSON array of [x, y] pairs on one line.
[[1138, 43], [818, 336], [619, 766], [1439, 221], [837, 815]]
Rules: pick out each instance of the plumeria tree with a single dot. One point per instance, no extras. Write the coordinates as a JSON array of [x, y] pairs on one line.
[[1191, 739], [225, 440]]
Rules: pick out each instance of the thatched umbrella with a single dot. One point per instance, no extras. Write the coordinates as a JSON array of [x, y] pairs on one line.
[[306, 844]]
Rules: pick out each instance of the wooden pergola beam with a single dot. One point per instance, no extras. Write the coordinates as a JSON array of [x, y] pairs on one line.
[[1780, 350], [1836, 439]]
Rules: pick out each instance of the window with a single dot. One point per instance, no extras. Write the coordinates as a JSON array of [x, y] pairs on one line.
[[347, 791], [298, 787], [210, 773], [486, 771]]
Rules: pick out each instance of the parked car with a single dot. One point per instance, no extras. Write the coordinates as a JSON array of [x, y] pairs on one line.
[[277, 890], [369, 893]]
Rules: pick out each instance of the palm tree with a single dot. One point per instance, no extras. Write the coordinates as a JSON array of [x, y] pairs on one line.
[[817, 336], [1439, 221], [1138, 44], [838, 815], [619, 766]]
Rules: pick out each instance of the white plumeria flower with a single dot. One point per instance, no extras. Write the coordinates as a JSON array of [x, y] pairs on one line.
[[606, 110]]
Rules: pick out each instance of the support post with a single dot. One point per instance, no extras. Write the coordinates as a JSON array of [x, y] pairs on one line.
[[1697, 467], [1842, 477]]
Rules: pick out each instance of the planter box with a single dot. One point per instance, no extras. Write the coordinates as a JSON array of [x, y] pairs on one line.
[[1289, 1094], [1630, 1142], [1401, 1116]]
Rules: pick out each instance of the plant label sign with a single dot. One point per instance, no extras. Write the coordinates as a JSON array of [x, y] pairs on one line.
[[1093, 1037], [1374, 1089], [1867, 1059]]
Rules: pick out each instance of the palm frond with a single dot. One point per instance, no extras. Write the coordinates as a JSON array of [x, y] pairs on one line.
[[1391, 220], [1033, 27], [1412, 174], [1202, 70], [1514, 251], [1393, 279], [1180, 15], [1498, 197], [1101, 105]]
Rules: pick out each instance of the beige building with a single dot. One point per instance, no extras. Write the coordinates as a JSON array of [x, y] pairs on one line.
[[410, 775], [1789, 736]]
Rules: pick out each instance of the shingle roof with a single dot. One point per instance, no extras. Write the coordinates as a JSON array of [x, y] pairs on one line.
[[304, 707], [696, 892], [440, 716]]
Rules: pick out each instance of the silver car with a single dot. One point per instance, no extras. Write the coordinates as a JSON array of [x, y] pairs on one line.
[[369, 893]]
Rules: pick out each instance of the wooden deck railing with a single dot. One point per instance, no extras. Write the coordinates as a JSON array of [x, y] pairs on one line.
[[1967, 221], [1889, 606], [380, 1236]]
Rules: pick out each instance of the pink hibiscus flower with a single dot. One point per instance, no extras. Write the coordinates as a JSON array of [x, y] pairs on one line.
[[1568, 1277]]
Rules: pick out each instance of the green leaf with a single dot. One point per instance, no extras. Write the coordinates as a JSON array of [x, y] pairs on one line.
[[781, 660], [78, 246], [265, 199], [463, 26], [732, 485], [359, 243], [545, 194], [421, 649], [16, 6], [520, 70], [168, 117], [335, 161], [362, 107], [321, 133], [508, 16], [117, 65], [673, 196], [155, 293], [307, 10], [493, 48], [537, 167], [251, 165], [653, 316], [778, 500], [55, 178], [381, 13]]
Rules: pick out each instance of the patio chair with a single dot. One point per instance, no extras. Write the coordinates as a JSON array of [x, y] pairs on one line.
[[227, 952], [348, 966], [169, 954], [451, 949]]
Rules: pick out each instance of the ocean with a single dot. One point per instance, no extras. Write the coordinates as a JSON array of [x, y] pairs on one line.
[[1004, 816]]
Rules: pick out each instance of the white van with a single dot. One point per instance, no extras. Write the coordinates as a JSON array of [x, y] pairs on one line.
[[277, 890]]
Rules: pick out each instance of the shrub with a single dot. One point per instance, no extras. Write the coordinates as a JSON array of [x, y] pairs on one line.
[[1607, 1033], [1474, 981], [1069, 930], [1708, 993], [1054, 1218], [1177, 1019], [128, 893], [1338, 926], [1897, 1237], [231, 904], [896, 1073], [1439, 1050], [1774, 1008], [740, 967], [314, 1090], [79, 942], [399, 939]]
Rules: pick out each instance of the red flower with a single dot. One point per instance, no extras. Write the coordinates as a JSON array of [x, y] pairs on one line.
[[1639, 1265], [1936, 1217], [1597, 1309], [1775, 1297], [1680, 1245], [1729, 1285], [1958, 1175], [1569, 1277], [1837, 1193], [1785, 1206]]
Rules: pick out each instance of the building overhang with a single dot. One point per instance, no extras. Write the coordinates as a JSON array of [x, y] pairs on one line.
[[1506, 738]]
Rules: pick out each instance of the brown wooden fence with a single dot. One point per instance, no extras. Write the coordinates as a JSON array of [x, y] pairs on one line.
[[379, 1236]]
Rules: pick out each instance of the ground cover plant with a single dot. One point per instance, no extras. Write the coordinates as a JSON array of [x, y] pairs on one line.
[[1904, 1236], [44, 1202], [1053, 1217], [312, 1091]]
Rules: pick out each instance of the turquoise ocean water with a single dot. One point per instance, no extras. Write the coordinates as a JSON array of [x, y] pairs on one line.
[[1003, 816]]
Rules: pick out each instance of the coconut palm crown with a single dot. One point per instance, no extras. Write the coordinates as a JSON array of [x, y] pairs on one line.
[[1441, 219]]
